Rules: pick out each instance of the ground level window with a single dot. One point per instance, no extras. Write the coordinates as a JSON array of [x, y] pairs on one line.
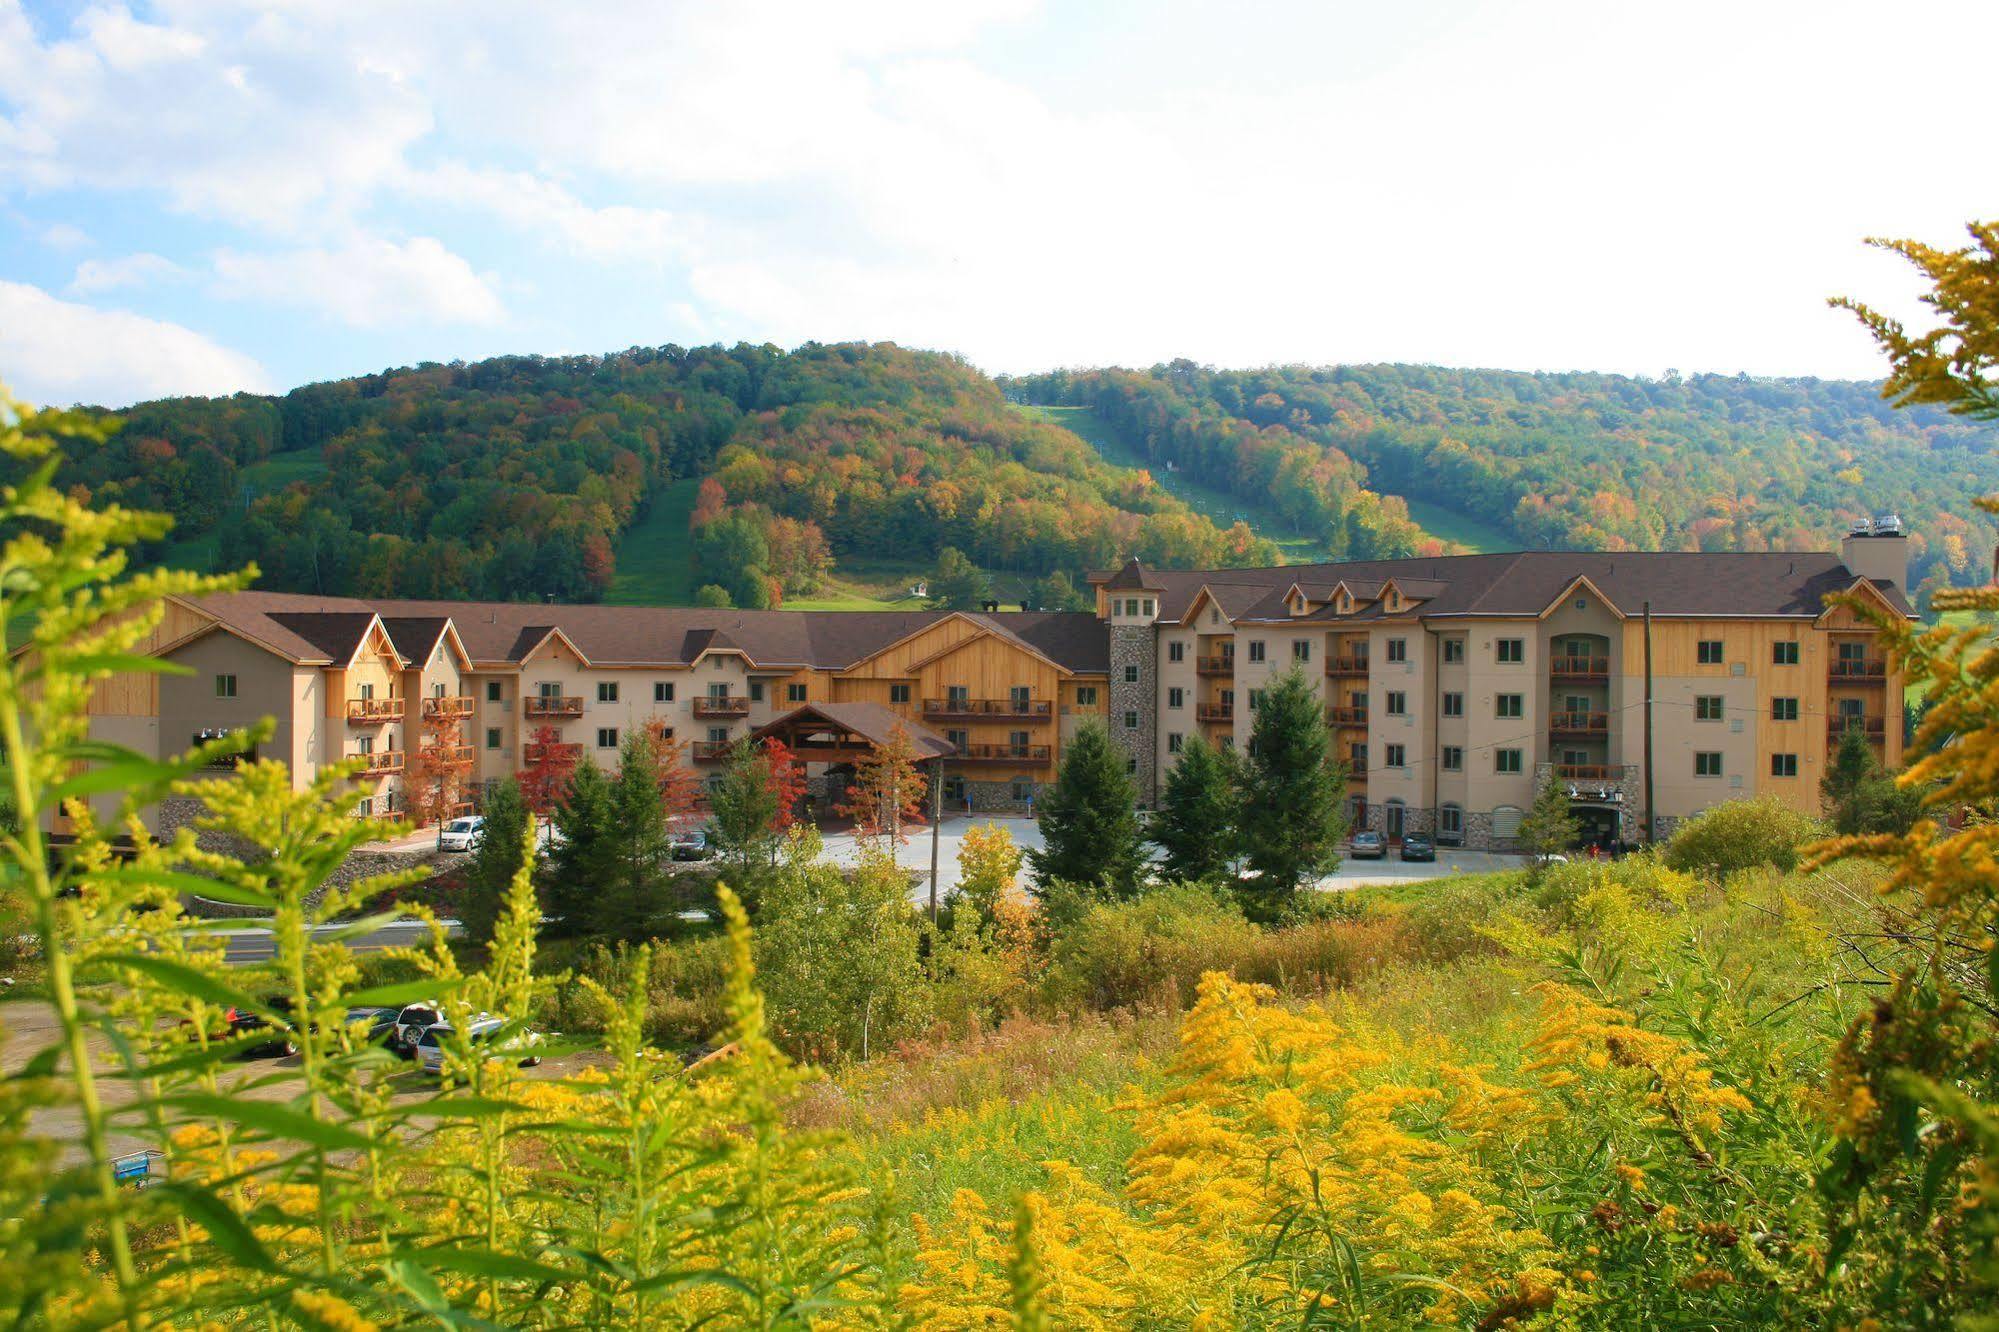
[[1023, 790], [1451, 820]]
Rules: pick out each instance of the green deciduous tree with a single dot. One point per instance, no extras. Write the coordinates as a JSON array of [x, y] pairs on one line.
[[957, 583], [1293, 792], [1198, 822], [1089, 821]]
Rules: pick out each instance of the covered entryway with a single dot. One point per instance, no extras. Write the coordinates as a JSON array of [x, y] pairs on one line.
[[841, 736]]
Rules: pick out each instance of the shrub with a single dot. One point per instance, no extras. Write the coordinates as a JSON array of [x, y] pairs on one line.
[[1742, 833], [1149, 949]]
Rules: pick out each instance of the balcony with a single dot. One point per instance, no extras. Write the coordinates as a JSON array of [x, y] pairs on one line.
[[373, 711], [1339, 716], [451, 709], [1579, 669], [450, 756], [1222, 665], [1874, 728], [380, 762], [710, 751], [1588, 772], [1214, 712], [974, 709], [1346, 666], [543, 707], [721, 705], [556, 753], [983, 753], [1580, 725], [1856, 670]]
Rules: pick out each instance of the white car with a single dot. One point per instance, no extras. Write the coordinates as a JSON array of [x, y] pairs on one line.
[[430, 1046], [461, 834]]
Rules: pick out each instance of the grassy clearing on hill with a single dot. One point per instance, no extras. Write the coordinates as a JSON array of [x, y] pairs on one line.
[[656, 553], [1475, 535]]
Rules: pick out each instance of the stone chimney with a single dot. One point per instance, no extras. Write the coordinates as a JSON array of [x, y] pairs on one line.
[[1878, 551]]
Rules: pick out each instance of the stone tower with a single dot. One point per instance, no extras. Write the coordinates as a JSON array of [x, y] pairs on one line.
[[1134, 688]]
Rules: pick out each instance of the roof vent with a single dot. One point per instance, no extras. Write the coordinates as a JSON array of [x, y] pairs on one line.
[[1888, 524], [1861, 527]]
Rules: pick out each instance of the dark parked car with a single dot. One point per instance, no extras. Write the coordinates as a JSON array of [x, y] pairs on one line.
[[1369, 846], [243, 1021], [1415, 846]]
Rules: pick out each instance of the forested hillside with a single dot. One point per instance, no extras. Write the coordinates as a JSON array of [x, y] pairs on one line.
[[1566, 460], [515, 478]]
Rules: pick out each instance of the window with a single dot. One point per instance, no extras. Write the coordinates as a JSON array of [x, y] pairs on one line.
[[1394, 756], [1256, 650], [1396, 704], [1783, 709], [365, 745], [1707, 707], [607, 691], [1255, 699], [225, 686], [1131, 605], [1023, 791], [898, 693], [1398, 649], [1173, 742], [1017, 742], [366, 809], [662, 692], [493, 691], [1707, 763], [1086, 696], [1176, 652], [1512, 651], [1148, 606], [1454, 651], [1708, 652], [756, 691], [1506, 760], [1131, 766], [1357, 758], [1575, 758], [1453, 758], [607, 737], [1228, 742], [1509, 705], [794, 692], [1176, 697], [492, 737], [1131, 674], [1131, 721], [1301, 649], [1784, 654], [1451, 820], [367, 692], [1454, 705], [960, 740], [1783, 765]]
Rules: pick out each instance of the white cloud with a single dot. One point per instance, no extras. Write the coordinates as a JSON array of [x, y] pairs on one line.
[[60, 352], [65, 236], [131, 270], [543, 207], [368, 282]]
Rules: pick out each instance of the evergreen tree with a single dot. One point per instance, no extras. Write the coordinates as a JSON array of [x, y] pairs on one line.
[[1549, 826], [1860, 796], [1293, 793], [1089, 822], [632, 902], [489, 875], [958, 584], [585, 848], [743, 820], [1200, 814]]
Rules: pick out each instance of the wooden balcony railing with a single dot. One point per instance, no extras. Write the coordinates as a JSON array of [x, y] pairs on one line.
[[1339, 716], [1853, 670], [382, 761], [455, 756], [1579, 668], [1214, 712], [1222, 665], [710, 751], [1338, 666], [373, 711], [984, 753], [719, 705], [534, 753], [1583, 724], [1588, 772], [552, 705], [955, 709], [1874, 728], [454, 707]]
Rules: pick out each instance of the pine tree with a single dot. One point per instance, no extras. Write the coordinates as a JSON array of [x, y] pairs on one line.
[[1549, 826], [585, 848], [1089, 822], [489, 875], [743, 820], [1859, 794], [632, 902], [1200, 814], [1293, 792]]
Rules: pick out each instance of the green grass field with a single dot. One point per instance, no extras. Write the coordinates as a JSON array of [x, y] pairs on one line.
[[1224, 508], [656, 555]]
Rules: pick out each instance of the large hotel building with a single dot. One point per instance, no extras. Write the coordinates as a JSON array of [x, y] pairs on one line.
[[1454, 687]]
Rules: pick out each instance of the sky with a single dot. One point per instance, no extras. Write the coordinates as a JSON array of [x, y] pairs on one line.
[[202, 196]]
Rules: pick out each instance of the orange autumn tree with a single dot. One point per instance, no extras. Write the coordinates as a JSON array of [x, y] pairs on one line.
[[786, 776], [544, 778], [681, 794], [437, 775], [888, 791]]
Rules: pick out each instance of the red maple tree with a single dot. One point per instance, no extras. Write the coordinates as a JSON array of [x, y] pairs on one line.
[[681, 792], [786, 776], [544, 778]]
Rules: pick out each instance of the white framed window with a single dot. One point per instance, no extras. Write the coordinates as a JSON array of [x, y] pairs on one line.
[[1452, 757], [1395, 756], [1511, 651]]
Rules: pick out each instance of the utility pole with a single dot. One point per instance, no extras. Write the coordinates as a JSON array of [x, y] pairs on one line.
[[936, 826], [1651, 837]]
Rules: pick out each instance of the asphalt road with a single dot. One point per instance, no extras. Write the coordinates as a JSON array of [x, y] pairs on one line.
[[254, 943]]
